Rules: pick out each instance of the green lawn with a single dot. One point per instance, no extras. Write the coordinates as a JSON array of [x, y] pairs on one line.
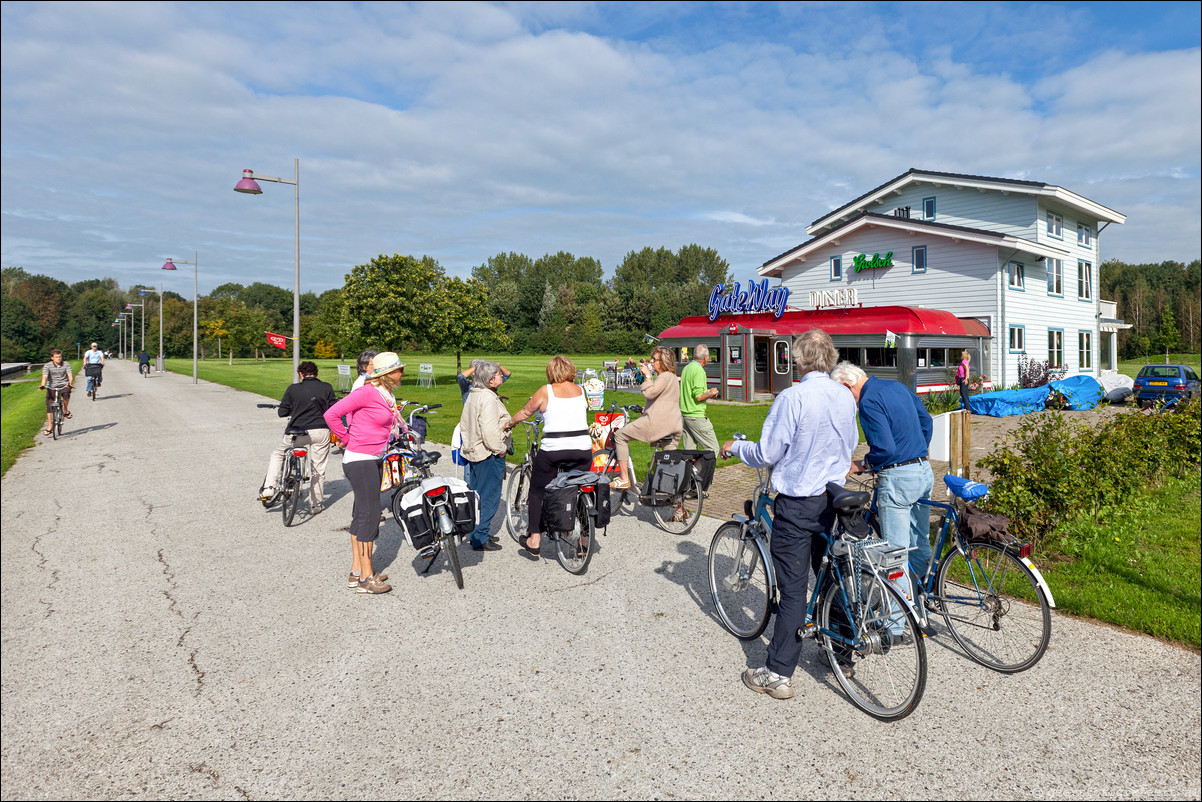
[[270, 378], [1130, 367], [22, 415], [1142, 569]]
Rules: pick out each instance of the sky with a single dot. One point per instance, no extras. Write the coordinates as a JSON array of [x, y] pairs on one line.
[[463, 130]]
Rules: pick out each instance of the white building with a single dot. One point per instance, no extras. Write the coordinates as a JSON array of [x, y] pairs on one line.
[[1021, 257]]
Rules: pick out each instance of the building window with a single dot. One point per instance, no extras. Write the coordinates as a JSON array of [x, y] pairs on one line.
[[1085, 350], [880, 358], [1084, 281], [1055, 348], [928, 208], [1055, 277], [1084, 235], [1017, 272], [1055, 225], [1018, 339], [836, 268], [919, 259]]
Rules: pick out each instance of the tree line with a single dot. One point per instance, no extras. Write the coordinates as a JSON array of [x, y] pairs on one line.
[[1160, 301], [512, 303]]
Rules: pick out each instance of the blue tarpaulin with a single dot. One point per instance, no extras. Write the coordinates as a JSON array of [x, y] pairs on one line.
[[1080, 392]]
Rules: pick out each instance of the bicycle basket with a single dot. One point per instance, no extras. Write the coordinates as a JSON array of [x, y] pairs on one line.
[[93, 369]]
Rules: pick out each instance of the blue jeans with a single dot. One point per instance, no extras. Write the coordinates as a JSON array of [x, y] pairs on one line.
[[905, 522], [485, 478], [93, 383]]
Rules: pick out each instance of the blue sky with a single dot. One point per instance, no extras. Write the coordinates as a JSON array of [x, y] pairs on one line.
[[462, 130]]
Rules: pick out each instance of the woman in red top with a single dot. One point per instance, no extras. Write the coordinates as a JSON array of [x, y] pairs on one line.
[[372, 414]]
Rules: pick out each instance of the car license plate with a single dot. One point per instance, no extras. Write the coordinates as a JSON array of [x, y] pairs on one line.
[[1158, 384]]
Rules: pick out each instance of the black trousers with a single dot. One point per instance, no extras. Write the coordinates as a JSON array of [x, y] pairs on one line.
[[964, 393], [797, 547], [365, 476], [546, 465]]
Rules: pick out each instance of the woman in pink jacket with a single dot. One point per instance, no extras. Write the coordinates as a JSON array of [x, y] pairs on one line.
[[371, 414]]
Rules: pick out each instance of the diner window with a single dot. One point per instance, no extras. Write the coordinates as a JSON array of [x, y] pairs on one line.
[[1017, 275], [1084, 235], [1085, 350], [783, 363], [919, 259], [716, 354], [1084, 281], [938, 358], [836, 268], [1018, 339], [928, 208], [880, 358], [1055, 277], [1055, 225], [1055, 348], [851, 355]]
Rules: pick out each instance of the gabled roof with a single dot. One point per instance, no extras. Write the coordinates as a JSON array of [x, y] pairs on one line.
[[774, 266], [961, 180]]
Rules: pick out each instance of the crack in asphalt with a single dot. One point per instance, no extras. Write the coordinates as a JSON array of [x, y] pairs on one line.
[[198, 673], [593, 581], [43, 560]]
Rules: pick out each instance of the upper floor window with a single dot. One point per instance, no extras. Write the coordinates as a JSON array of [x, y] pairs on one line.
[[1084, 281], [1084, 235], [919, 259], [1017, 275], [1055, 225], [1055, 348], [1055, 277], [836, 268], [1085, 350], [928, 208]]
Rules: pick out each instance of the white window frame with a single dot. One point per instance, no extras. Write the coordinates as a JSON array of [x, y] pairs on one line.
[[1056, 348], [836, 264], [1017, 274], [1084, 280], [1084, 235], [1056, 277], [1055, 225], [1085, 350], [1018, 339]]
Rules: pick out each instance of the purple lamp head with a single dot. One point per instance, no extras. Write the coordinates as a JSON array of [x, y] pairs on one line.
[[248, 184], [129, 306], [169, 265]]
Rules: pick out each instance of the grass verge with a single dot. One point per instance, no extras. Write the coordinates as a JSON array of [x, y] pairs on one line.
[[22, 415], [1141, 569]]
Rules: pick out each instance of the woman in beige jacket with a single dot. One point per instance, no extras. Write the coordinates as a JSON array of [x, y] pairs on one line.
[[482, 428], [661, 417]]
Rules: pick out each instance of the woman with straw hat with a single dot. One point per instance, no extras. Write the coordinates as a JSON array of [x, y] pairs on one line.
[[371, 412]]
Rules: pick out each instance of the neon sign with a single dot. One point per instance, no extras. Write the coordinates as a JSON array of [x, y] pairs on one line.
[[862, 262], [756, 298]]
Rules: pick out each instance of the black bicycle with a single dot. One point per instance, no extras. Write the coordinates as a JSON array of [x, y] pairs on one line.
[[93, 371], [56, 414], [294, 472]]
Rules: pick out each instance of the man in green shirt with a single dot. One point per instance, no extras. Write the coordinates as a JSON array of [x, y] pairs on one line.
[[694, 393]]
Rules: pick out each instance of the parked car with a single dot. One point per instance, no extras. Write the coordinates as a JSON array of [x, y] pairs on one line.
[[1167, 384]]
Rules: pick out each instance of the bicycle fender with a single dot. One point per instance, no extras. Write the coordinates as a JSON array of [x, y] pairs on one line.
[[1043, 583]]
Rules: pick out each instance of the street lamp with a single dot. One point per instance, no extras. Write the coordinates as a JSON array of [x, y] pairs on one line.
[[120, 321], [130, 308], [249, 185], [170, 265]]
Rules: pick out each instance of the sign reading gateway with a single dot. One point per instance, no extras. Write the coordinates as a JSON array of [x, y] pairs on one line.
[[756, 298]]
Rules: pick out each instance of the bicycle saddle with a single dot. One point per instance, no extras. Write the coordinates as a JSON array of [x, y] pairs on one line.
[[296, 430], [847, 500], [424, 458], [663, 442]]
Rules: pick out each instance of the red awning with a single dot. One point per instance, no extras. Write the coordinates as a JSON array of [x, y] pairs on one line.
[[855, 320]]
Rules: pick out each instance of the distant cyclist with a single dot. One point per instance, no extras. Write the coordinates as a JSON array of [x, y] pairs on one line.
[[93, 356], [144, 362], [56, 376]]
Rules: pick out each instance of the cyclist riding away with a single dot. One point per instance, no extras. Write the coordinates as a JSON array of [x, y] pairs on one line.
[[56, 375], [143, 362], [305, 402], [93, 356], [809, 436]]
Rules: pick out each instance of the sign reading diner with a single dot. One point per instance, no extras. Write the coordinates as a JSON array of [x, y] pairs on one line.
[[758, 297]]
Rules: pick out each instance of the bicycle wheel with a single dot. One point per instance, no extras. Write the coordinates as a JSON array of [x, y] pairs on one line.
[[292, 492], [739, 581], [686, 507], [625, 499], [517, 501], [994, 607], [451, 547], [884, 671], [56, 423], [574, 549]]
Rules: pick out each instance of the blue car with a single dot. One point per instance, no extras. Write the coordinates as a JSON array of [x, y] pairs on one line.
[[1165, 383]]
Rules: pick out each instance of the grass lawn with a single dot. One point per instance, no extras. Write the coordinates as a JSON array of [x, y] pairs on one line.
[[1130, 367], [22, 416], [271, 378], [1142, 569]]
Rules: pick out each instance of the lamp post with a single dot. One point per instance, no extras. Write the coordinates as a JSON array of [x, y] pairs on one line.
[[161, 361], [170, 265], [249, 185], [120, 321], [130, 308]]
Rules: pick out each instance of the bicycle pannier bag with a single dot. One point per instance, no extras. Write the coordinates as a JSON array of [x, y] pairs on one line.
[[604, 511], [419, 428], [978, 525], [559, 508], [704, 463], [669, 473], [415, 521], [466, 514]]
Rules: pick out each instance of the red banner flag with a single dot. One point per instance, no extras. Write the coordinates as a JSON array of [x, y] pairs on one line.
[[278, 340]]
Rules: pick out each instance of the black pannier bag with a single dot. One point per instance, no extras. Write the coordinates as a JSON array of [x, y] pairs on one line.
[[559, 507], [603, 509], [415, 520], [671, 470], [855, 523], [464, 502]]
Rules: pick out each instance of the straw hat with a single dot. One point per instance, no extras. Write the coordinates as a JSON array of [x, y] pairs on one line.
[[384, 363]]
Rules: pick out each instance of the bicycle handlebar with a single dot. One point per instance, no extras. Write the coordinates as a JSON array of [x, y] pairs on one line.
[[267, 406]]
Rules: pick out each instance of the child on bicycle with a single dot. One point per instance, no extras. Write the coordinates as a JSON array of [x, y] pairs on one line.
[[56, 377]]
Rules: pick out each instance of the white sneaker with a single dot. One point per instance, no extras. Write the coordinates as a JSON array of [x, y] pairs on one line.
[[764, 680]]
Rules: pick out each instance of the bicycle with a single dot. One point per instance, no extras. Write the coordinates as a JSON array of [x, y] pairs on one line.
[[56, 414], [573, 548], [93, 371], [293, 474], [144, 369], [867, 629], [677, 510]]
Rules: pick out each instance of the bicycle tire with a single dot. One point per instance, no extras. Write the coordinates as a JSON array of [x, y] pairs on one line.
[[739, 586], [690, 503], [95, 390], [978, 593], [626, 499], [451, 547], [395, 504], [574, 549], [292, 492], [517, 501], [56, 423], [890, 671]]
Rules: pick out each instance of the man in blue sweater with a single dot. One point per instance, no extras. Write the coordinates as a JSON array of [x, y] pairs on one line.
[[898, 429]]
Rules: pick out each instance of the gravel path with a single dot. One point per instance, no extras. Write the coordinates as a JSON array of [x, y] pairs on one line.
[[164, 636]]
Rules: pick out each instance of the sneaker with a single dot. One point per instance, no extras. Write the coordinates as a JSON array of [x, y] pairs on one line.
[[267, 494], [761, 680], [846, 666], [373, 584], [618, 484], [316, 509]]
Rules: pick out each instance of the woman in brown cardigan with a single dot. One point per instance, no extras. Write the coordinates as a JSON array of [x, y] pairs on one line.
[[661, 417]]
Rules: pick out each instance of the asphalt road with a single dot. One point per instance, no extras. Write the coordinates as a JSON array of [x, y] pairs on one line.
[[164, 636]]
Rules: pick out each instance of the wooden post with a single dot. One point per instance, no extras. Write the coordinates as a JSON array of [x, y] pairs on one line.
[[960, 447]]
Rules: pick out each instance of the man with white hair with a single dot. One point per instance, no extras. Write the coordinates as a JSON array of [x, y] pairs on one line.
[[93, 356], [898, 429], [694, 394]]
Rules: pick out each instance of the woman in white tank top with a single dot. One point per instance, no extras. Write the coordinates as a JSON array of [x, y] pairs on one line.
[[566, 444]]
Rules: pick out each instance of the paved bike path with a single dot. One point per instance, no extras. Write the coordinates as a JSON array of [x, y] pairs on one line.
[[163, 635]]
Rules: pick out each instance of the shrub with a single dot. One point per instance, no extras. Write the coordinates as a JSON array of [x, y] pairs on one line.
[[942, 401], [1032, 373]]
